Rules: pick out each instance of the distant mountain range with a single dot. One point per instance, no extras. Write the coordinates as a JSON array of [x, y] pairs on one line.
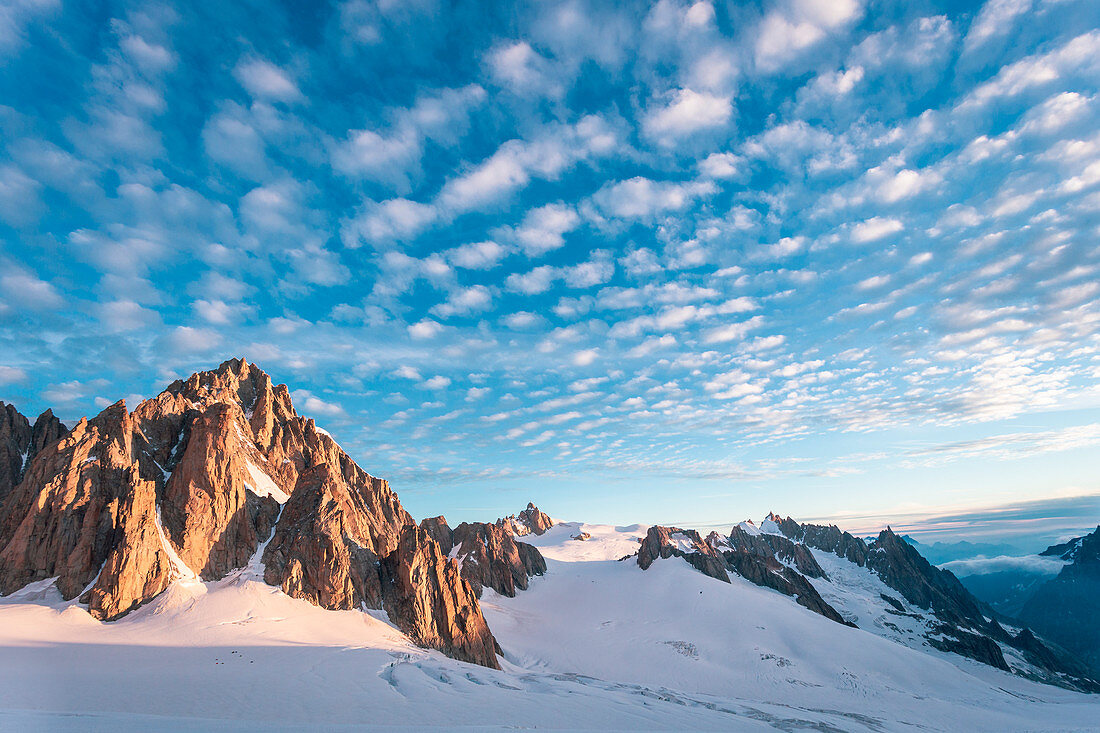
[[217, 482]]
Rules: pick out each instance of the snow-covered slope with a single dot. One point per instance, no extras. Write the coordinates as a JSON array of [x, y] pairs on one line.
[[595, 644]]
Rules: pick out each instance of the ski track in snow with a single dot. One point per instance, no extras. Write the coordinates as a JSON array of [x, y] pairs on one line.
[[596, 644]]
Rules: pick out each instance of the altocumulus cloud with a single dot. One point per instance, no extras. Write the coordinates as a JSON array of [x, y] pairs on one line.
[[623, 244]]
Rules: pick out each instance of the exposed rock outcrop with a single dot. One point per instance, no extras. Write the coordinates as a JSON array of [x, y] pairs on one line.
[[71, 512], [439, 531], [491, 556], [666, 542], [830, 539], [528, 521], [323, 550], [195, 481], [20, 443], [426, 597], [1065, 609], [766, 571], [779, 547]]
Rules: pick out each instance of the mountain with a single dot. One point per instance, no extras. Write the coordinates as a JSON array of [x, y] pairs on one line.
[[596, 643], [20, 443], [885, 586], [211, 559], [939, 553], [1066, 609], [216, 474]]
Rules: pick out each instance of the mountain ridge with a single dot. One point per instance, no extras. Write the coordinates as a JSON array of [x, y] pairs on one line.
[[196, 481]]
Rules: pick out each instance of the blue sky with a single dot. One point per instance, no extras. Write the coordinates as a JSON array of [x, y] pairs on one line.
[[672, 262]]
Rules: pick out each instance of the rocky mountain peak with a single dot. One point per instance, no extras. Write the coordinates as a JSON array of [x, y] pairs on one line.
[[194, 483], [20, 443], [529, 521]]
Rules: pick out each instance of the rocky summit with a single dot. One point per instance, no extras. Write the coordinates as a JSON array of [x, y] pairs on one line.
[[930, 606], [214, 473]]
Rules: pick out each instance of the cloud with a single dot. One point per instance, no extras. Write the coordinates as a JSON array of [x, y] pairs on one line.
[[875, 228], [465, 301], [523, 70], [994, 19], [12, 375], [642, 198], [476, 255], [543, 229], [264, 80], [1030, 564], [25, 291], [425, 329], [687, 112], [392, 220], [786, 32]]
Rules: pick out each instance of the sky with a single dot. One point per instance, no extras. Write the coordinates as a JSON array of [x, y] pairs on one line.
[[671, 262]]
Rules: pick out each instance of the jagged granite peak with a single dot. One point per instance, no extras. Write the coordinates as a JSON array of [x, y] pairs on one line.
[[828, 538], [20, 442], [427, 598], [1065, 609], [490, 556], [902, 567], [958, 621], [666, 542], [70, 511], [440, 531], [776, 546], [194, 481], [529, 521], [324, 548], [716, 555], [1064, 550]]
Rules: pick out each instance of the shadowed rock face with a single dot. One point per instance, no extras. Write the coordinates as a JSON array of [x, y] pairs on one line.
[[426, 598], [666, 542], [768, 572], [20, 443], [772, 545], [215, 457], [830, 539], [491, 556], [1066, 608], [70, 514], [962, 624]]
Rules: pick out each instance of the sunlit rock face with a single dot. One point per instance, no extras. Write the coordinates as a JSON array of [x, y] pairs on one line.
[[213, 474]]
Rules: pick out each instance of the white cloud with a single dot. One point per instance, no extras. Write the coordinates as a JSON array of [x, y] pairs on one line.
[[476, 255], [687, 112], [25, 290], [523, 70], [720, 165], [875, 228], [731, 331], [1081, 54], [465, 301], [585, 357], [536, 281], [185, 339], [265, 80], [12, 375], [543, 229], [995, 18], [392, 220], [785, 33], [425, 329], [642, 198]]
